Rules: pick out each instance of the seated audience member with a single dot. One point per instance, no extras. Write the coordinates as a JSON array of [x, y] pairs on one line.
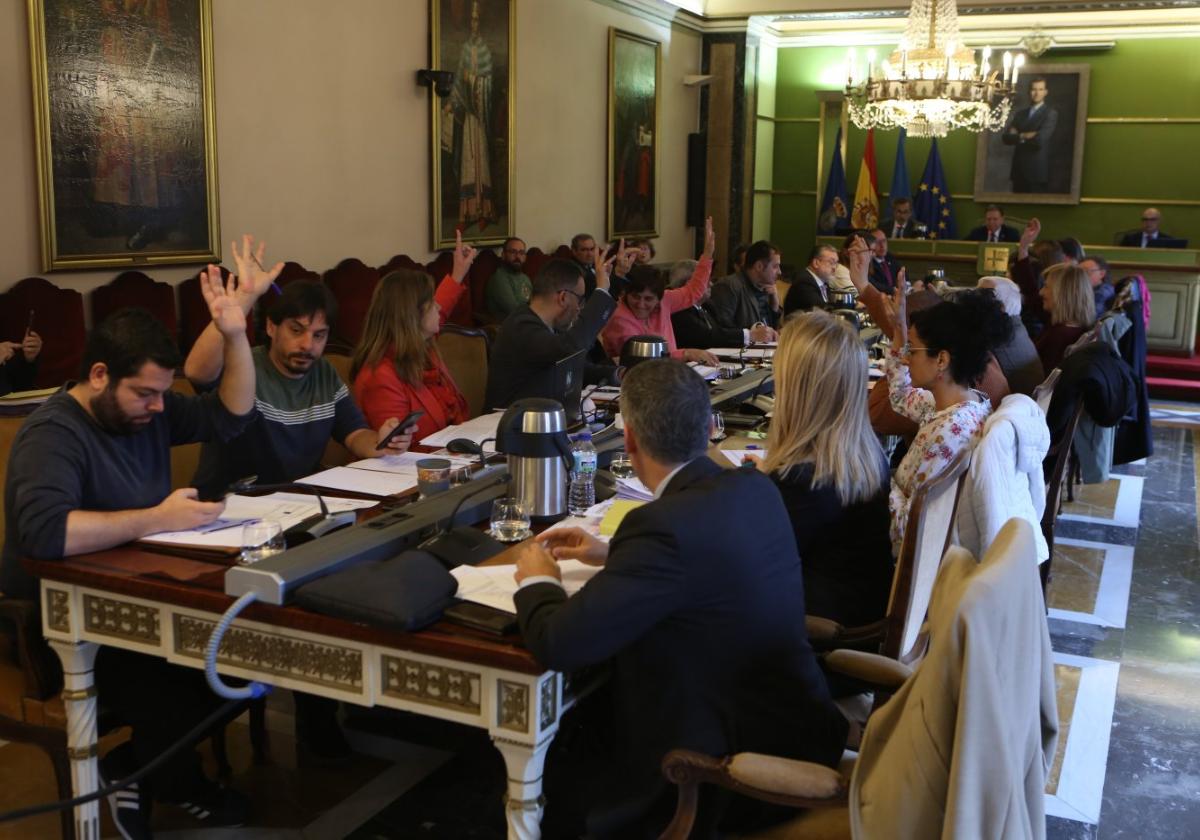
[[302, 402], [739, 259], [397, 368], [750, 296], [696, 327], [1064, 306], [1018, 357], [830, 469], [1072, 249], [646, 309], [993, 228], [18, 362], [509, 287], [89, 470], [556, 323], [1102, 289], [1150, 236], [810, 289], [1029, 261], [700, 617], [583, 254], [930, 367], [901, 224], [643, 251], [884, 268]]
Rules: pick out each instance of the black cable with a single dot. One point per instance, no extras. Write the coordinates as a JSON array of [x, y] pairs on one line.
[[187, 740]]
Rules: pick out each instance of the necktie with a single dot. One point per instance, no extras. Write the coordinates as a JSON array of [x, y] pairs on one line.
[[887, 273], [1145, 240], [898, 233], [994, 237]]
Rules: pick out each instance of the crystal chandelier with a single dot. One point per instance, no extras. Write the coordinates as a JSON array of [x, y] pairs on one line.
[[932, 83]]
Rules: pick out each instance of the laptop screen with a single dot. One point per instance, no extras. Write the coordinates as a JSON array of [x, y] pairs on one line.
[[568, 383]]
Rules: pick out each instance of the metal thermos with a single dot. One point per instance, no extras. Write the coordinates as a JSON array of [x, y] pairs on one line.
[[639, 348], [533, 434]]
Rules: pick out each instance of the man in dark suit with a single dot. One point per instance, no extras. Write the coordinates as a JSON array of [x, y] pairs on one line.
[[583, 252], [884, 270], [810, 289], [701, 616], [1150, 236], [750, 297], [993, 228], [554, 324], [696, 326], [902, 225], [1030, 131]]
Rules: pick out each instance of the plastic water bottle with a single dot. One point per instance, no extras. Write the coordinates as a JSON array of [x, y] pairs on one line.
[[583, 475]]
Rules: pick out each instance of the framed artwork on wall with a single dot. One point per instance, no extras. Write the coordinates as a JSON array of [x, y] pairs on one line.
[[124, 131], [1038, 157], [472, 126], [634, 81]]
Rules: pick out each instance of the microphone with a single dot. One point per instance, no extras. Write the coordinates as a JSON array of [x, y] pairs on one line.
[[465, 545], [310, 528]]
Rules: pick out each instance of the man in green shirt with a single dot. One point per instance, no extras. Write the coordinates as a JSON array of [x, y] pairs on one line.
[[509, 288]]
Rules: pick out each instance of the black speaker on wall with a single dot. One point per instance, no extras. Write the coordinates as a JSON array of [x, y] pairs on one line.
[[697, 160]]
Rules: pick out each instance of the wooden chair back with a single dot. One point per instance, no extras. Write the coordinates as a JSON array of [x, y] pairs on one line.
[[400, 261], [352, 284], [926, 537], [335, 454], [133, 288], [185, 459], [465, 352], [1059, 457], [485, 265], [58, 319], [535, 258]]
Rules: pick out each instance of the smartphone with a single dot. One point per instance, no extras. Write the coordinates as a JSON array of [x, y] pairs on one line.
[[408, 421], [29, 326]]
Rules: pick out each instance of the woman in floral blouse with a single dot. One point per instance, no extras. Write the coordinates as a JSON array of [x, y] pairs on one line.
[[930, 367]]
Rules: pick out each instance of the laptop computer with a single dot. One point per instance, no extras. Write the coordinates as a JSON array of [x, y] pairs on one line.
[[568, 384]]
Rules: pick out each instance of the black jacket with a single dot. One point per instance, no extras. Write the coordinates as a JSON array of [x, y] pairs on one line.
[[1134, 438], [1008, 233], [912, 229], [696, 327], [735, 302], [1163, 240], [1098, 376], [700, 609], [879, 279], [804, 295]]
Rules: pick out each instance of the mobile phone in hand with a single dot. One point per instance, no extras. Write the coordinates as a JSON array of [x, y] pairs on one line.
[[410, 420]]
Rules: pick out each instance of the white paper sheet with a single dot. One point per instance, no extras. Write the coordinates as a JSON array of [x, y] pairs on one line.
[[363, 481], [475, 429], [287, 509], [494, 586], [589, 522], [738, 456], [405, 463]]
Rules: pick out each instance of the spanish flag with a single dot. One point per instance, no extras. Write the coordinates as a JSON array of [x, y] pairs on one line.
[[866, 195]]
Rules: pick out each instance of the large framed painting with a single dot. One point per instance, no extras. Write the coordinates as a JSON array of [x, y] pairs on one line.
[[1038, 157], [123, 123], [473, 125], [634, 81]]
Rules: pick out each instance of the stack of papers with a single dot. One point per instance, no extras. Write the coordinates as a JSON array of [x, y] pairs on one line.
[[287, 509], [632, 488], [750, 354], [386, 476], [590, 521], [477, 429], [737, 457], [37, 397], [494, 586]]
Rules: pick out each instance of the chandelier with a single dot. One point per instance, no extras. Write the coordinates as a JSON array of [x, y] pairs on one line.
[[932, 82]]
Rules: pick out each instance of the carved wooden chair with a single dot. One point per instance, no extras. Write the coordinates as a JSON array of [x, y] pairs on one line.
[[926, 537], [133, 288], [400, 261], [353, 284], [1059, 456], [465, 352]]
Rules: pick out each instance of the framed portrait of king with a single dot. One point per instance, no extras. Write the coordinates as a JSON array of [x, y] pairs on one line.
[[472, 140], [1037, 158], [124, 132], [634, 81]]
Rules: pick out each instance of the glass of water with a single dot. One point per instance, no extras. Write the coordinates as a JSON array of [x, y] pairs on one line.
[[621, 466], [261, 540], [510, 520], [717, 433]]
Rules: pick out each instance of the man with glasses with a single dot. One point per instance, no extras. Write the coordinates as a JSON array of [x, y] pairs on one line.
[[510, 287], [1150, 236], [885, 268], [811, 289], [1097, 272], [560, 319]]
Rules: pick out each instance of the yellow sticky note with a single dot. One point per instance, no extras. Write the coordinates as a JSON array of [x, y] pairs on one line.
[[612, 519]]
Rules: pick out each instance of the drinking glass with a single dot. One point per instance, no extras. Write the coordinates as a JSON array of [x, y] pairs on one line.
[[621, 466], [260, 540], [433, 476], [717, 432], [510, 520], [460, 476]]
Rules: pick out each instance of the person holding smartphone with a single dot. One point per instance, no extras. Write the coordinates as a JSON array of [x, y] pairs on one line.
[[18, 360], [397, 370]]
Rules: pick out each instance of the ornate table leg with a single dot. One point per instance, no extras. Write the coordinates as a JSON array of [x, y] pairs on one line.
[[79, 697], [523, 805]]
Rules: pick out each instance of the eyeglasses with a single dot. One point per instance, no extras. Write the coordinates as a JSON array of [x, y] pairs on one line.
[[578, 297], [907, 349], [1151, 218]]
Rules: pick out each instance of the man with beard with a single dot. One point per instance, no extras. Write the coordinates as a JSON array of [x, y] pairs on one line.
[[302, 402], [509, 288], [556, 323], [91, 469]]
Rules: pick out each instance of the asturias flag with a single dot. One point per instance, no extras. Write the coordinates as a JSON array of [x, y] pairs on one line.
[[866, 195], [932, 203], [835, 206]]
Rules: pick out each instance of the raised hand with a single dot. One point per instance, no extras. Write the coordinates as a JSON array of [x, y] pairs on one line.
[[860, 263], [710, 239], [625, 258], [602, 265], [223, 304], [1033, 229], [900, 313], [31, 346], [253, 279], [464, 255]]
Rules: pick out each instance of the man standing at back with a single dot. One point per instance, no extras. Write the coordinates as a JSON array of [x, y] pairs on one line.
[[750, 296], [700, 616]]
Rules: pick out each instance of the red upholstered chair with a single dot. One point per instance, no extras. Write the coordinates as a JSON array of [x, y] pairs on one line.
[[58, 319], [562, 252], [482, 269], [352, 284], [133, 288], [400, 261], [535, 258]]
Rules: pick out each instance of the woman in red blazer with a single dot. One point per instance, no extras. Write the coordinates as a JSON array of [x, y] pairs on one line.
[[396, 368]]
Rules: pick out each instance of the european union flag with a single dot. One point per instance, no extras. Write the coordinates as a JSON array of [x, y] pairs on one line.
[[900, 188], [932, 204], [835, 206]]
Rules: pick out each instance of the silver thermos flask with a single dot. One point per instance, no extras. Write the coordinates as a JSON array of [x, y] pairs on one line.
[[533, 434]]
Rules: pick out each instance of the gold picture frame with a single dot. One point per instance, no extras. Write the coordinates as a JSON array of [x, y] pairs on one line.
[[472, 128], [634, 105], [125, 132]]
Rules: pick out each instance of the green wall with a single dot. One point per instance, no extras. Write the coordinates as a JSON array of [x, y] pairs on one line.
[[1141, 78]]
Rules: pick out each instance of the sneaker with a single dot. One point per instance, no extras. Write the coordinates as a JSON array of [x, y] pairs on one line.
[[217, 807], [129, 814]]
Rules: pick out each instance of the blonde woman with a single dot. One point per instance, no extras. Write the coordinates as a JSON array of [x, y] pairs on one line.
[[830, 469], [1070, 307], [396, 369]]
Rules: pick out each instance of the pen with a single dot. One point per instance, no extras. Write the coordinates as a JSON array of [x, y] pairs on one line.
[[29, 326], [274, 285]]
